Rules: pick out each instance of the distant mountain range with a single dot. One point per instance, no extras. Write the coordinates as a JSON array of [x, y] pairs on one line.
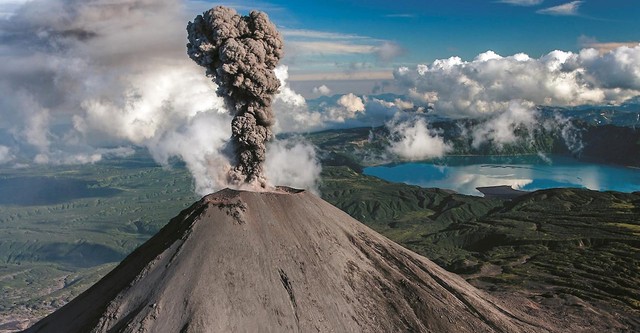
[[607, 143], [625, 115]]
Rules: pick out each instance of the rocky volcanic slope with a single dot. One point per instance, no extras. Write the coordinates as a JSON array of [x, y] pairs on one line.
[[573, 254], [276, 262]]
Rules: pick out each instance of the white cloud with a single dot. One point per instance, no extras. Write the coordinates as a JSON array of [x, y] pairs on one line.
[[387, 51], [500, 129], [330, 47], [348, 107], [522, 2], [608, 46], [300, 41], [349, 110], [571, 135], [403, 105], [411, 137], [414, 140], [351, 103], [489, 83], [285, 93], [307, 51], [155, 103], [199, 143], [8, 7], [603, 47], [616, 69], [344, 76], [330, 56], [315, 34], [567, 9], [322, 90], [102, 72], [5, 155], [518, 124]]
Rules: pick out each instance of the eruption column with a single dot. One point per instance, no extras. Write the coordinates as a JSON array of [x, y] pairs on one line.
[[240, 53]]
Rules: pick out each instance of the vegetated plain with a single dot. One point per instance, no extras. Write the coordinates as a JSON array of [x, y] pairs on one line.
[[571, 251], [567, 250], [64, 227]]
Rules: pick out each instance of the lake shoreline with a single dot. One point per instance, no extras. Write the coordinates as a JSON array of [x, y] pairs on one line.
[[530, 172]]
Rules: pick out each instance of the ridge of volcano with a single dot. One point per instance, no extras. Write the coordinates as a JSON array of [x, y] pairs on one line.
[[281, 261]]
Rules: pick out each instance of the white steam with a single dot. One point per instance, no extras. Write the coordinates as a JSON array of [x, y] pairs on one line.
[[76, 76], [348, 107], [322, 90], [5, 155], [199, 143]]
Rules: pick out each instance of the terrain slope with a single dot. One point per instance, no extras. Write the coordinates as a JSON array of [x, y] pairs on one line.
[[283, 261]]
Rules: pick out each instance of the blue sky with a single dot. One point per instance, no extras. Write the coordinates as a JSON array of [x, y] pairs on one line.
[[408, 32]]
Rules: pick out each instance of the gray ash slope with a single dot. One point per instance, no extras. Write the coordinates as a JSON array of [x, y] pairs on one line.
[[284, 261]]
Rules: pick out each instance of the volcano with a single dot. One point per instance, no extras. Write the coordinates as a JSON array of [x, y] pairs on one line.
[[281, 261]]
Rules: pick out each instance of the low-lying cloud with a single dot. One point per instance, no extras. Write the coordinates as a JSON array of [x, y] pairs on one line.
[[412, 139]]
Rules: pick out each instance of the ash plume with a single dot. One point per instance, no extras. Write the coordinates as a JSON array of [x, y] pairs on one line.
[[240, 53]]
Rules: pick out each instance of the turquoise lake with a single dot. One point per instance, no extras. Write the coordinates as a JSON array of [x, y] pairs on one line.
[[464, 173]]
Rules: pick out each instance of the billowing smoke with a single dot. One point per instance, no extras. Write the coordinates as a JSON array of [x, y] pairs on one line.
[[83, 81], [240, 53], [348, 107], [292, 162]]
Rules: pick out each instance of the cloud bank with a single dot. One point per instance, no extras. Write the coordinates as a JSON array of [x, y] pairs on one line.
[[487, 84], [294, 114]]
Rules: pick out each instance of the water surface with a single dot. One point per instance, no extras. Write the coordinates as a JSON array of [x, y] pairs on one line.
[[464, 173], [36, 190]]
